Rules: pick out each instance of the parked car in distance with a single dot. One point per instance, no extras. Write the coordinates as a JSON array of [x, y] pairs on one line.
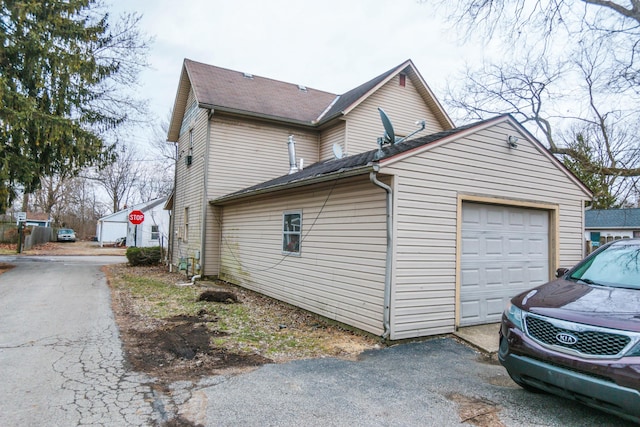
[[578, 336], [66, 235]]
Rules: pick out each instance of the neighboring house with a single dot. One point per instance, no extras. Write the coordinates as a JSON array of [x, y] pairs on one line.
[[605, 225], [112, 227], [38, 219], [152, 232], [416, 239]]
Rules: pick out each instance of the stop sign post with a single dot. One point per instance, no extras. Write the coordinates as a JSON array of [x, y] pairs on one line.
[[136, 217]]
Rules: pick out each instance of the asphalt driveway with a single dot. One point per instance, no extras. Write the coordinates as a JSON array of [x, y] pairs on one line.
[[439, 382], [61, 363]]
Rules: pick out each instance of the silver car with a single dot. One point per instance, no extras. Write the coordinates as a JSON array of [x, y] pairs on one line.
[[66, 235]]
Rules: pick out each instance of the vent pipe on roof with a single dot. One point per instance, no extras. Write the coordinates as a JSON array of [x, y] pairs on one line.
[[293, 167]]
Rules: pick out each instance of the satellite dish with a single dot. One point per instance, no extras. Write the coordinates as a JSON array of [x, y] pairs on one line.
[[337, 151], [389, 134]]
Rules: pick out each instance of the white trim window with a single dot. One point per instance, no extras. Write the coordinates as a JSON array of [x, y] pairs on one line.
[[155, 232], [291, 232]]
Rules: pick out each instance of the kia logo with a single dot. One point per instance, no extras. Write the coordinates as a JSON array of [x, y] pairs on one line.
[[565, 338]]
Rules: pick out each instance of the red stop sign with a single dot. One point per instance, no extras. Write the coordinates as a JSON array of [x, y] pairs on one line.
[[136, 217]]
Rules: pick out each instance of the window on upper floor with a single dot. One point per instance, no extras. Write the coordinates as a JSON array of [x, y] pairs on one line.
[[291, 232]]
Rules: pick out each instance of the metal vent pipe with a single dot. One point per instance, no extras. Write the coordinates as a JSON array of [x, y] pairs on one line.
[[293, 167]]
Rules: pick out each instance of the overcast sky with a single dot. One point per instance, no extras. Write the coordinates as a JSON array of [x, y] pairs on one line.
[[331, 45]]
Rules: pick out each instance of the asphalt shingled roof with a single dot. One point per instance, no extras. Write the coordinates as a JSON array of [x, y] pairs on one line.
[[233, 90], [612, 218], [236, 91]]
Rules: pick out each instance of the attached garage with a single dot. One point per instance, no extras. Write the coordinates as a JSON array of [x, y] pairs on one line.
[[415, 239], [505, 250]]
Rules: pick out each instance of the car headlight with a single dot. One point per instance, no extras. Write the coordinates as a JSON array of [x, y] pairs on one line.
[[514, 314]]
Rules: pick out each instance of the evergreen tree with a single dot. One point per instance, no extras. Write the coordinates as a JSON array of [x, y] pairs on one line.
[[600, 184], [61, 68]]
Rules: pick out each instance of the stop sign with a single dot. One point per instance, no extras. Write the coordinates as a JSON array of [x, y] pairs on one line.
[[136, 217]]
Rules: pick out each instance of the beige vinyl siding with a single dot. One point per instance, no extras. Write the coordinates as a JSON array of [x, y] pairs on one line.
[[245, 153], [403, 105], [340, 271], [190, 188], [426, 208], [211, 257], [330, 136]]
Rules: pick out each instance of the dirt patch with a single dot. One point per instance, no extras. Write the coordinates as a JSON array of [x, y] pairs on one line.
[[189, 346], [478, 412], [183, 351], [4, 267]]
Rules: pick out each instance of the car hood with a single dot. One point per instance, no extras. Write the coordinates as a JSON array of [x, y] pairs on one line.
[[608, 307]]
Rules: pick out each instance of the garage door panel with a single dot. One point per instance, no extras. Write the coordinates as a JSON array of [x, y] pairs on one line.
[[494, 246], [471, 311], [494, 217], [493, 276], [470, 246], [505, 251], [539, 247], [495, 307], [515, 246], [516, 221]]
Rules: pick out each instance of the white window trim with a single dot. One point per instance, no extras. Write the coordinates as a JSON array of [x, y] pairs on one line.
[[290, 233]]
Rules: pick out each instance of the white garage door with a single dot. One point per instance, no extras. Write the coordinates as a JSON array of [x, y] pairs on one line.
[[505, 250]]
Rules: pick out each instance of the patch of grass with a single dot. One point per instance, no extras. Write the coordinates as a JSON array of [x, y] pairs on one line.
[[158, 299], [255, 325], [8, 248]]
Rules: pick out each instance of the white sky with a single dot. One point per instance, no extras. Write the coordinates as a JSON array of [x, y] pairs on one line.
[[331, 45]]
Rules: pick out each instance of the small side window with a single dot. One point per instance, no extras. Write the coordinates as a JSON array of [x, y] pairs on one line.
[[291, 232], [155, 233]]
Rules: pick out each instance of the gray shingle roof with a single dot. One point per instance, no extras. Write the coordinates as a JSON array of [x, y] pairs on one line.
[[228, 89], [612, 218], [348, 98]]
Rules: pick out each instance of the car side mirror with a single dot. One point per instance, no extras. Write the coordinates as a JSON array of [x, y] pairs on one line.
[[561, 271]]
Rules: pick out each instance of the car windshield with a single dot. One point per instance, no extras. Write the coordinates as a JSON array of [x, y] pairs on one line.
[[65, 231], [618, 266]]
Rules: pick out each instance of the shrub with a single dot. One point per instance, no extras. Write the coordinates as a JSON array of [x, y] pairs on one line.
[[144, 256]]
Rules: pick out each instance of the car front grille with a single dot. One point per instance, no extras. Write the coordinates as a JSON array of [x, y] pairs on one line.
[[588, 342]]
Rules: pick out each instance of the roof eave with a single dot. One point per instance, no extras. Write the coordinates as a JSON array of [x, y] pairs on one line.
[[179, 104], [612, 227], [266, 117], [293, 184]]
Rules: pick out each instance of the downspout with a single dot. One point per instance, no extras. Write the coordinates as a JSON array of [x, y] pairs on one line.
[[387, 271], [203, 225], [172, 218]]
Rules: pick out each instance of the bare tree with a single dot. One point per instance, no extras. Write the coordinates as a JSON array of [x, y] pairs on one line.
[[569, 72], [119, 178], [157, 178], [51, 197], [165, 151]]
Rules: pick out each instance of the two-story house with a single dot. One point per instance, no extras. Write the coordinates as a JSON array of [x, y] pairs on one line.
[[285, 190]]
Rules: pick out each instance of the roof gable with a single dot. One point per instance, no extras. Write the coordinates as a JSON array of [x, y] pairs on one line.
[[612, 218], [235, 92], [351, 99]]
